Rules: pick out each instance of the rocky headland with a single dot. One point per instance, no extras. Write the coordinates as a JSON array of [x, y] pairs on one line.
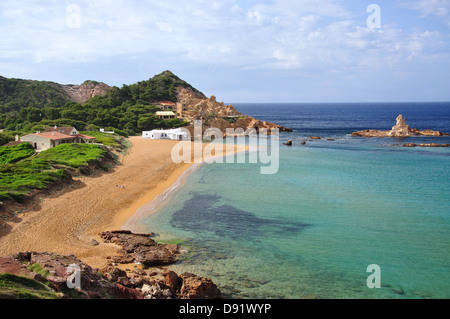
[[214, 114], [400, 130], [137, 273]]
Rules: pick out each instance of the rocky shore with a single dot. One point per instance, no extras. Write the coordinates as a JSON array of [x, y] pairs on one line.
[[137, 272], [399, 130]]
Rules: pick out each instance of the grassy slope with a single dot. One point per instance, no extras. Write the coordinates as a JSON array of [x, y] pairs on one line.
[[47, 168], [17, 287], [12, 154]]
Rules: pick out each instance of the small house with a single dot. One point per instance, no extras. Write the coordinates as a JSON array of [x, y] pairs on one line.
[[166, 115], [174, 134], [54, 136], [167, 105]]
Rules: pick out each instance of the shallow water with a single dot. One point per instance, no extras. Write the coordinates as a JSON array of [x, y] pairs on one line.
[[333, 209]]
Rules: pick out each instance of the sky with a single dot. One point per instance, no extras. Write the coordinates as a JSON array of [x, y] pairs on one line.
[[238, 50]]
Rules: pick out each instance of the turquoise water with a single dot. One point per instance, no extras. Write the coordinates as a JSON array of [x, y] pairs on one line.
[[312, 229]]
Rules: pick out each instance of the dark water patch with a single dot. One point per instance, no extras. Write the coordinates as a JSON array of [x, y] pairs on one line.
[[204, 214]]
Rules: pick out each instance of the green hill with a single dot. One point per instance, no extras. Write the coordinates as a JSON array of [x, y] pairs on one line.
[[27, 106]]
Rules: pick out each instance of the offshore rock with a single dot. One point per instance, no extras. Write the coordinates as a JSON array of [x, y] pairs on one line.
[[399, 130]]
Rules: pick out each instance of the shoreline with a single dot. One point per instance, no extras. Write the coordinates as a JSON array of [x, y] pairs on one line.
[[70, 223], [132, 221]]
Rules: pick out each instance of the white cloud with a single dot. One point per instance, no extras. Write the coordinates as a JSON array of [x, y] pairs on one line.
[[435, 8], [314, 36]]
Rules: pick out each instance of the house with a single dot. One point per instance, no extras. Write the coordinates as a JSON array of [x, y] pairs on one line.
[[16, 142], [54, 136], [63, 129], [167, 105], [166, 115], [174, 134]]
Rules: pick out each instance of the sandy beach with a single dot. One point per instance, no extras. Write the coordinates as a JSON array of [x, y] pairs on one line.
[[68, 223]]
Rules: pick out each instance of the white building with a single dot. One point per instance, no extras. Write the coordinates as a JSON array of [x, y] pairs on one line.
[[174, 134]]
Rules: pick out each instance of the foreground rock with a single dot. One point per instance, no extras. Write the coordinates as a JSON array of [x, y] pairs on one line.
[[50, 273], [399, 130], [52, 270], [139, 252], [140, 248]]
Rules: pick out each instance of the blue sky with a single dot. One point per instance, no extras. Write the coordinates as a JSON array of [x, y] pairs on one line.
[[240, 51]]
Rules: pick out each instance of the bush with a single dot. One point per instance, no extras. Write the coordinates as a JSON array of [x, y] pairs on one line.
[[12, 154]]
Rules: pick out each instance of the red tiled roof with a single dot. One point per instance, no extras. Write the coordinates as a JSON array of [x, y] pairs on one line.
[[86, 136], [63, 129], [55, 136], [14, 143], [167, 103]]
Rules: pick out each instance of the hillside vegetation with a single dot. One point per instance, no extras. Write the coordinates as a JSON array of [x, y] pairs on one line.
[[27, 106], [18, 287], [19, 178]]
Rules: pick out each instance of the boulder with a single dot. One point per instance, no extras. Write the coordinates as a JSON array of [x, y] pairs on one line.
[[140, 248], [122, 292], [156, 291], [195, 287], [171, 280], [154, 256]]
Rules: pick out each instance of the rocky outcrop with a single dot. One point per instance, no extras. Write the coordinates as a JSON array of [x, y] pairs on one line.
[[111, 282], [425, 145], [195, 287], [189, 96], [399, 130], [89, 89], [52, 269], [214, 114], [140, 248]]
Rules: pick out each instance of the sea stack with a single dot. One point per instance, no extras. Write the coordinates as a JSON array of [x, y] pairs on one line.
[[399, 130]]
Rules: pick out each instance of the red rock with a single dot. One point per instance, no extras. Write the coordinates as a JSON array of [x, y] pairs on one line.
[[171, 280], [122, 292], [195, 287]]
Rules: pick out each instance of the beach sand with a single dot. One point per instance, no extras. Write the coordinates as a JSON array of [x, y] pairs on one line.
[[68, 223]]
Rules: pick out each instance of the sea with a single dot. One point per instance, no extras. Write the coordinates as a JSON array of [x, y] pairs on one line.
[[346, 218]]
